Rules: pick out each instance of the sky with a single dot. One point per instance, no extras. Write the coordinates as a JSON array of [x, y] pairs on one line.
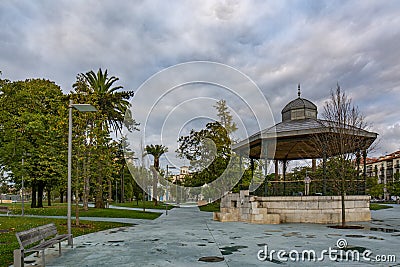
[[273, 45]]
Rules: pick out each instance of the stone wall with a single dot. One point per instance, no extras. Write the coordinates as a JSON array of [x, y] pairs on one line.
[[295, 209]]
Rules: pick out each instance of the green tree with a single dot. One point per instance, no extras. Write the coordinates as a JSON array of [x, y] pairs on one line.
[[208, 151], [156, 151], [225, 117], [32, 116], [124, 154], [394, 185], [112, 104], [346, 125], [370, 184], [376, 191]]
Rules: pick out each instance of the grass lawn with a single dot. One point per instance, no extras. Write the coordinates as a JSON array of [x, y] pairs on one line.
[[60, 209], [9, 225], [375, 206], [147, 205], [211, 207]]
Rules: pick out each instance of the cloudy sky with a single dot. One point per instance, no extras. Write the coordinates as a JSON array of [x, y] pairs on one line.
[[276, 44]]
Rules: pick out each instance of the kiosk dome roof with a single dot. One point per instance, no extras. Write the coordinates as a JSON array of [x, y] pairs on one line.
[[299, 103], [299, 108]]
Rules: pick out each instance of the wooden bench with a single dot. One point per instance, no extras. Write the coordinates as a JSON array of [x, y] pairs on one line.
[[5, 209], [39, 234]]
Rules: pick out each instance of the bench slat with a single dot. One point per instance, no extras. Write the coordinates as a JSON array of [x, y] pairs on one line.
[[34, 235], [5, 209], [41, 233]]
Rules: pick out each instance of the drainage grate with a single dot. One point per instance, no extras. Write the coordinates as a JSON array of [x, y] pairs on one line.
[[211, 259]]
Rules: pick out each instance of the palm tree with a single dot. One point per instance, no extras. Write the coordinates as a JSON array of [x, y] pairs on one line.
[[156, 151], [111, 103]]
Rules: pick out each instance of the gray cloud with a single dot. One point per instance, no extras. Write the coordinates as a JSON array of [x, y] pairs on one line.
[[276, 43]]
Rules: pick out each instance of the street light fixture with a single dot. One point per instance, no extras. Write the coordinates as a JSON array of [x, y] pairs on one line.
[[81, 108]]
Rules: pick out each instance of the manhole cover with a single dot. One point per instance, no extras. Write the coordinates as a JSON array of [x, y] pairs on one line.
[[211, 259]]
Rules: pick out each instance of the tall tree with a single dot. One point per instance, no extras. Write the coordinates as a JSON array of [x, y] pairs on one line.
[[225, 117], [123, 154], [209, 153], [32, 115], [112, 104], [347, 126], [110, 100], [156, 151]]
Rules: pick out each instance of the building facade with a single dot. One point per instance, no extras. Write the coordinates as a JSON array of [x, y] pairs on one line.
[[385, 167], [183, 172]]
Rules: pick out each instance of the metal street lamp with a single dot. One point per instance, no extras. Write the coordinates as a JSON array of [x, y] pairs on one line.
[[166, 190], [81, 108], [22, 187], [116, 187], [22, 183]]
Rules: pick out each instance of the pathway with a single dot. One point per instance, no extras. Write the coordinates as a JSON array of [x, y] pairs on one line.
[[185, 235]]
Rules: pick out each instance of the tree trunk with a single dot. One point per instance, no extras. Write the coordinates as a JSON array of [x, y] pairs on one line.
[[40, 194], [33, 199], [86, 184], [99, 198], [122, 185], [61, 196], [99, 188], [155, 182], [343, 193], [109, 190], [324, 173], [48, 197], [343, 211], [276, 177], [284, 176], [76, 207], [365, 170], [314, 165]]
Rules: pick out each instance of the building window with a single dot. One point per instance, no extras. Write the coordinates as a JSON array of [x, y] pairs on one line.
[[297, 114], [311, 114]]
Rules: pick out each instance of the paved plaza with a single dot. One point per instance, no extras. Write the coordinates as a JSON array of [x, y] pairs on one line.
[[186, 235]]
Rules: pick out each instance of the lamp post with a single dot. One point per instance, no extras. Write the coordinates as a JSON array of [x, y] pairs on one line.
[[116, 191], [81, 108], [166, 190], [176, 190], [133, 158], [22, 187], [22, 183]]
